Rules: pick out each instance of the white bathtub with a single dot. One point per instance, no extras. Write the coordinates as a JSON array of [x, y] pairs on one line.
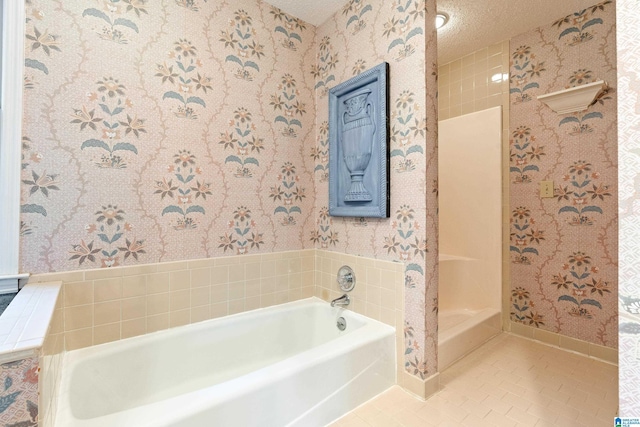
[[287, 365]]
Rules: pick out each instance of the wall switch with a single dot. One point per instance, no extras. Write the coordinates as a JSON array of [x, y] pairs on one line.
[[546, 189]]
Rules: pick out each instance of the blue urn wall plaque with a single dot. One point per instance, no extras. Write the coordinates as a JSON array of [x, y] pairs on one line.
[[359, 146]]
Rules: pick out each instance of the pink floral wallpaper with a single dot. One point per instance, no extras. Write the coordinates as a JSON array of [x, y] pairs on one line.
[[19, 393], [159, 131], [363, 34], [564, 253], [628, 33]]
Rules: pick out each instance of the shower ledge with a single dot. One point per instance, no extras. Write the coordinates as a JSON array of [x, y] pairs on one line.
[[25, 322], [574, 99], [447, 257]]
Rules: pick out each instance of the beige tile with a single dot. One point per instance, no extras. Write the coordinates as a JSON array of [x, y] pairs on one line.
[[65, 277], [200, 314], [219, 293], [201, 263], [200, 277], [180, 280], [107, 289], [106, 333], [102, 273], [79, 338], [134, 286], [139, 270], [180, 300], [219, 310], [236, 290], [229, 260], [157, 303], [268, 268], [252, 288], [236, 273], [236, 306], [179, 318], [133, 308], [574, 344], [106, 312], [78, 317], [133, 328], [252, 271], [78, 293], [173, 266], [220, 275], [158, 283], [200, 296], [252, 303], [267, 285], [157, 322]]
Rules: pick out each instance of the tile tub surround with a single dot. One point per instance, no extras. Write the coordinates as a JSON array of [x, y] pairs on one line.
[[109, 304], [379, 294]]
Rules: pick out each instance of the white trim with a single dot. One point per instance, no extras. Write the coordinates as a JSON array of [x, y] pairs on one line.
[[9, 284], [11, 133]]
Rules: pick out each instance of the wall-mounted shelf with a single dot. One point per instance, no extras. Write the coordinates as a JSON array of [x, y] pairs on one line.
[[574, 99]]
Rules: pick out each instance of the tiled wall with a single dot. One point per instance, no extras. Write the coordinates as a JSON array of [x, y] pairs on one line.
[[110, 304], [564, 249], [51, 358], [468, 85], [628, 34], [379, 292], [99, 306]]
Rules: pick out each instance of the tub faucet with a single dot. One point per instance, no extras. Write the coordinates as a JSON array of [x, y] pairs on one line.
[[343, 301]]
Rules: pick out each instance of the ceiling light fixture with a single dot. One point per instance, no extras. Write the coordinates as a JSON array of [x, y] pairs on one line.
[[441, 19]]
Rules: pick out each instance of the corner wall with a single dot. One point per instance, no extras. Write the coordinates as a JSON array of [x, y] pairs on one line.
[[360, 36], [564, 249]]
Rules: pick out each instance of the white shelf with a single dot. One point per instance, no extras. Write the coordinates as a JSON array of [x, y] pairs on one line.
[[574, 99]]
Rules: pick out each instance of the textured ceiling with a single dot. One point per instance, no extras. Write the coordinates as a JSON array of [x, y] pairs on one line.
[[473, 24], [314, 12]]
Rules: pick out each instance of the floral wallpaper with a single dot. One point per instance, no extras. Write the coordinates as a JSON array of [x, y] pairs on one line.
[[160, 131], [363, 34], [628, 24], [164, 130], [564, 249], [19, 393]]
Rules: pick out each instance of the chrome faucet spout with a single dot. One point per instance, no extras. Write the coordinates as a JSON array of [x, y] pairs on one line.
[[343, 301]]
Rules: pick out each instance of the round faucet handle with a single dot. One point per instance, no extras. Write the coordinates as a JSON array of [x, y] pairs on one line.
[[346, 278]]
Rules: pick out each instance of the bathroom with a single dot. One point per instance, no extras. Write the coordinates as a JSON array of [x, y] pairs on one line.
[[174, 169]]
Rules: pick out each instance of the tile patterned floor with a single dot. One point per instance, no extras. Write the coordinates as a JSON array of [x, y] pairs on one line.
[[509, 381]]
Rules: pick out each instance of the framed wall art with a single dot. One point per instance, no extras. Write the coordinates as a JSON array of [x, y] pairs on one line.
[[359, 145]]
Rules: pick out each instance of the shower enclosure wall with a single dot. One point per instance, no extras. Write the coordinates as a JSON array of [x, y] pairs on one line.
[[470, 200]]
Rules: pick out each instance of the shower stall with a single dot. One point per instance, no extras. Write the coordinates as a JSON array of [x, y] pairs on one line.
[[470, 209]]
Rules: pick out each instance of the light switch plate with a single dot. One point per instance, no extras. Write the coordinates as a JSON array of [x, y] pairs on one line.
[[546, 189]]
